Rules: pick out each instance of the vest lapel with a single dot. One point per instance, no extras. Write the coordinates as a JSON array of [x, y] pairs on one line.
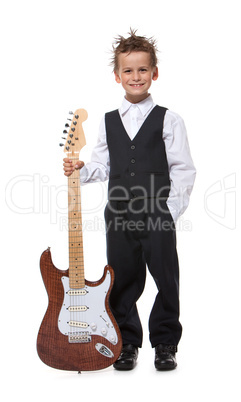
[[140, 129]]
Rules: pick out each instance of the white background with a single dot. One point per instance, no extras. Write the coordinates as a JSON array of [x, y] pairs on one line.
[[55, 57]]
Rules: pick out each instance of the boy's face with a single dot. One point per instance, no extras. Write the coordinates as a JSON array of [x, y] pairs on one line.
[[135, 73]]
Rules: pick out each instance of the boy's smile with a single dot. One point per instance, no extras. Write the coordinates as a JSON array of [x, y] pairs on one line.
[[135, 73]]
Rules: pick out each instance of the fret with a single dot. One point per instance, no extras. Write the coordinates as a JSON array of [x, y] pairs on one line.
[[76, 256], [77, 275], [76, 263]]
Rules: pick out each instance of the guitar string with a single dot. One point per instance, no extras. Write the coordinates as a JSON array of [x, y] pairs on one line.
[[74, 254], [75, 329], [80, 246], [77, 238], [73, 296], [73, 300], [70, 287], [85, 313], [77, 300]]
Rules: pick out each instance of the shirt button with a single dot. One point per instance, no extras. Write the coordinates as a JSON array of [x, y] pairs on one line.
[[133, 160], [133, 147], [132, 174]]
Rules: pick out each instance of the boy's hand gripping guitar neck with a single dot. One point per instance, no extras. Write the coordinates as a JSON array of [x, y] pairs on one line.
[[78, 331]]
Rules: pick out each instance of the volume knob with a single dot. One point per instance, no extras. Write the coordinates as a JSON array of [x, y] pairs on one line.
[[104, 331], [93, 326], [112, 339]]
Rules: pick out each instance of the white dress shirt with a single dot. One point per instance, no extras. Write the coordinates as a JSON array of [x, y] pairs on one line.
[[181, 169]]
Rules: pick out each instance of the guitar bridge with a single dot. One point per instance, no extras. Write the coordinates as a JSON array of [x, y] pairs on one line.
[[79, 337]]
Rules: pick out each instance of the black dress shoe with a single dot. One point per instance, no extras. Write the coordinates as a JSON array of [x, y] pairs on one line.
[[165, 358], [127, 359]]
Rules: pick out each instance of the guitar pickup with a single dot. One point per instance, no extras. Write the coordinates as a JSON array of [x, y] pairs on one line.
[[77, 292], [79, 337], [77, 308], [79, 324]]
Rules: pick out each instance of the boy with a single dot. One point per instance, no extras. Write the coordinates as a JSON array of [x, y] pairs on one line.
[[143, 150]]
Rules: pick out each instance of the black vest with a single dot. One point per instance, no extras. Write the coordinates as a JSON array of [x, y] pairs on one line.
[[138, 167]]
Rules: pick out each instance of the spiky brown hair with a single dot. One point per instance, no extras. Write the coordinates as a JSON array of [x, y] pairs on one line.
[[133, 43]]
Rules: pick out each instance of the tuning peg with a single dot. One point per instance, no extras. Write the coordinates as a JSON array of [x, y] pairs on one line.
[[63, 138], [71, 113], [65, 132], [73, 129], [61, 145], [71, 135], [74, 123], [67, 148], [76, 116], [66, 125]]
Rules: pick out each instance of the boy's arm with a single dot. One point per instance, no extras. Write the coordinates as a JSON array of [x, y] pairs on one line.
[[99, 167], [181, 168]]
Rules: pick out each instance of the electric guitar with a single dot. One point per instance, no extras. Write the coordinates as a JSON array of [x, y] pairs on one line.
[[78, 331]]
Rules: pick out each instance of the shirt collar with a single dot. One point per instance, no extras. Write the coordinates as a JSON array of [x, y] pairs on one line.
[[144, 106]]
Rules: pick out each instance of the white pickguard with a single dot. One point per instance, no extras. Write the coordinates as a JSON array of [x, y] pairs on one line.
[[86, 314]]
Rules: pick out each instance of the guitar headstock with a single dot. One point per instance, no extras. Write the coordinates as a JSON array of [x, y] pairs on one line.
[[75, 140]]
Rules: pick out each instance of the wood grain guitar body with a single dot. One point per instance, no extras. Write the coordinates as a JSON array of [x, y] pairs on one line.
[[76, 334]]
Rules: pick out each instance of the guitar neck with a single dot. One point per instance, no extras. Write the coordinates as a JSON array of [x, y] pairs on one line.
[[76, 254]]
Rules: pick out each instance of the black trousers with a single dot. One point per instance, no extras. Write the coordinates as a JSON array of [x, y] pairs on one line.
[[141, 232]]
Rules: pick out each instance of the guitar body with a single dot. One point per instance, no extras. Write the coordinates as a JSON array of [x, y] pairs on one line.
[[77, 334]]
